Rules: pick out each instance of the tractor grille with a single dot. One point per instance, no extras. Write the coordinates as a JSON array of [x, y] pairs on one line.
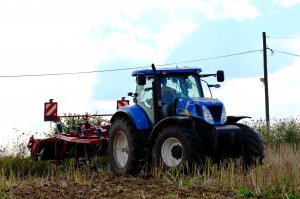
[[198, 110], [216, 112]]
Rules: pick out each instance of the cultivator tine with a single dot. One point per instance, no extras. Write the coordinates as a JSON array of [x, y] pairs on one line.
[[80, 132], [100, 134], [86, 156], [76, 157], [60, 129], [40, 154], [71, 152]]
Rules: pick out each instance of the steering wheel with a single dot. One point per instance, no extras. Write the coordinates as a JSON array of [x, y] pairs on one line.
[[168, 96]]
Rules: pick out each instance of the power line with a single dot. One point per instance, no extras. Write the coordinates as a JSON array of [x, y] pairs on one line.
[[71, 73], [123, 69], [210, 58], [287, 53], [283, 37]]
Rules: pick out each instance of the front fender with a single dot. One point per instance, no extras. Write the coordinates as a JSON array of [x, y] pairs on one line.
[[235, 119], [136, 114], [181, 120]]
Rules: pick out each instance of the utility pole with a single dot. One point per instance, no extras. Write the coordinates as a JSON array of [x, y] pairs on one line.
[[266, 80]]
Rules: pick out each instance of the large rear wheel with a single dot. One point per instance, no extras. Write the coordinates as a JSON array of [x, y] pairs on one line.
[[177, 147], [125, 148]]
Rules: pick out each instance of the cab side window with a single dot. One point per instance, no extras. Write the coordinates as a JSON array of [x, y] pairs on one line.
[[145, 97]]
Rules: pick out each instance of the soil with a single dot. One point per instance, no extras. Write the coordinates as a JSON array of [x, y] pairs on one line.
[[106, 185]]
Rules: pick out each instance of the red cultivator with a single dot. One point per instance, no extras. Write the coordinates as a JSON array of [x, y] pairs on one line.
[[83, 143]]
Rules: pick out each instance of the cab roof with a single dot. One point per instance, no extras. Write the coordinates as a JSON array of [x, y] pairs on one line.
[[160, 71]]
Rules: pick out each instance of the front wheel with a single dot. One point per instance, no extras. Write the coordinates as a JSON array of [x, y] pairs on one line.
[[253, 146], [176, 147], [124, 148]]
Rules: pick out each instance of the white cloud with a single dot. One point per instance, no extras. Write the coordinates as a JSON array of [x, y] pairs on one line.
[[242, 96], [219, 9], [287, 3], [290, 44], [246, 96], [126, 39], [41, 38], [54, 37], [140, 42]]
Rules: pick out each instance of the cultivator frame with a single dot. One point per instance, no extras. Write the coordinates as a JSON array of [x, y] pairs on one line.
[[83, 143]]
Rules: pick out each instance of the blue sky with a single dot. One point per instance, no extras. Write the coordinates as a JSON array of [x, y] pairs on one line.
[[218, 37], [38, 37]]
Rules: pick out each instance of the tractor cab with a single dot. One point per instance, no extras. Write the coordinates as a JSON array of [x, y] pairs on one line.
[[170, 87]]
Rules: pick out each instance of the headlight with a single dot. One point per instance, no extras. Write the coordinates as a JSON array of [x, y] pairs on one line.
[[223, 116], [207, 115]]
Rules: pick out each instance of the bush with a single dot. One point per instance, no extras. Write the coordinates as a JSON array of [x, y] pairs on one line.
[[281, 131], [69, 123]]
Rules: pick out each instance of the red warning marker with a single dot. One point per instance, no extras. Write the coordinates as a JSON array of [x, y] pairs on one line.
[[122, 102], [50, 111]]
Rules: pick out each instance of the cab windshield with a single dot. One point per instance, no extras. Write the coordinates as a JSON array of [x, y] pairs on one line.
[[184, 85]]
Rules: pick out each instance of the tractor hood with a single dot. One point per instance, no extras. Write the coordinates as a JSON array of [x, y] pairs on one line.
[[209, 110]]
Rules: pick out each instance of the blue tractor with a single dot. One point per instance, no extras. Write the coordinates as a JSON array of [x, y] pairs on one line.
[[172, 124]]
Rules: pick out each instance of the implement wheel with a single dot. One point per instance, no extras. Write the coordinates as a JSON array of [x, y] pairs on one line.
[[125, 148]]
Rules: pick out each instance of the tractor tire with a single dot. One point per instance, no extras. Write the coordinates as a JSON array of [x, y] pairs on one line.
[[177, 148], [253, 147], [125, 149]]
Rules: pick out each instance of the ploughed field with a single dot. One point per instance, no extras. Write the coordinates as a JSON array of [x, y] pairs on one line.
[[278, 177]]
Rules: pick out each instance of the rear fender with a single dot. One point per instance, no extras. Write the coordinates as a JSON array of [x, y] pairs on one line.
[[135, 114], [235, 119]]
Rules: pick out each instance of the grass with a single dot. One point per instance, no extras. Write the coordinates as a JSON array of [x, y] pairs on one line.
[[278, 177]]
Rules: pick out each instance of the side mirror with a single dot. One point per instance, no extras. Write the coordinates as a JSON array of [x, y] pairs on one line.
[[141, 79], [131, 94], [220, 76]]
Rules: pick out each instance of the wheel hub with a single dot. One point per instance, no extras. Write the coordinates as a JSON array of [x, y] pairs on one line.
[[171, 152], [176, 152], [121, 149]]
